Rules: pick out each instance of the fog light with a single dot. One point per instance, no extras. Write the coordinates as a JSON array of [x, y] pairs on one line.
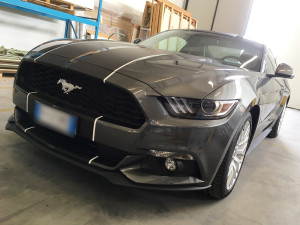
[[170, 164]]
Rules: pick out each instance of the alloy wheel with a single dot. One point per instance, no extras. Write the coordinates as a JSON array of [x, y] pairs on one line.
[[281, 118], [238, 156]]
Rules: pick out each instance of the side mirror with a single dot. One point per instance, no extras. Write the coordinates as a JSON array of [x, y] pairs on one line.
[[285, 71], [136, 41]]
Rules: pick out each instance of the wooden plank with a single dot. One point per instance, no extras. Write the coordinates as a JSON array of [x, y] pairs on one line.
[[8, 66], [55, 4], [10, 61], [145, 14], [181, 20], [8, 71], [161, 16], [155, 20], [194, 24], [82, 4], [151, 17], [5, 76], [61, 3], [175, 7]]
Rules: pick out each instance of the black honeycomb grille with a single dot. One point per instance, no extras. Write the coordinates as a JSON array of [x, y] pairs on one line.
[[95, 98]]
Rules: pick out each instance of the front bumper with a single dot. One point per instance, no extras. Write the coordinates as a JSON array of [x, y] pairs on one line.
[[82, 154], [118, 153]]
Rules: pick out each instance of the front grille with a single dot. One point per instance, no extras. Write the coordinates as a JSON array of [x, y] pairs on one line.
[[95, 98], [76, 147]]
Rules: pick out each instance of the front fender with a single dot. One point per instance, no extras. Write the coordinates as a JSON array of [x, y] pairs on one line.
[[241, 89]]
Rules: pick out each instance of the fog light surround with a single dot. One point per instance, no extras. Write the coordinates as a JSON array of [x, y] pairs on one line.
[[170, 164], [174, 155]]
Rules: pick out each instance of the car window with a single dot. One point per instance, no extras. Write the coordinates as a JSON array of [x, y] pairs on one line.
[[170, 43], [224, 49], [230, 55], [269, 66], [221, 52]]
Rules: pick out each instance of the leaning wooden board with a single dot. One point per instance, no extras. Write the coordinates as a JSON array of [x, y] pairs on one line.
[[166, 15]]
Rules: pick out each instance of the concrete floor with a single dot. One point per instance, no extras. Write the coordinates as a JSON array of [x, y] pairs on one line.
[[36, 188]]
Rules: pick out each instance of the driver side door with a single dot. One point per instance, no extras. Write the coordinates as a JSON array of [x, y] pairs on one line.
[[270, 92]]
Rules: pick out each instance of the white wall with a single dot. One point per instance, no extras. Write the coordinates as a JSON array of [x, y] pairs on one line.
[[24, 31], [232, 16], [203, 11], [279, 28]]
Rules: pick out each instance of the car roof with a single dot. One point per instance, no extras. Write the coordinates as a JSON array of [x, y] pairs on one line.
[[224, 34], [213, 32]]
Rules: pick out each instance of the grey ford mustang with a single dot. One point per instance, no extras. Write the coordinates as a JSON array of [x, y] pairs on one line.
[[177, 111]]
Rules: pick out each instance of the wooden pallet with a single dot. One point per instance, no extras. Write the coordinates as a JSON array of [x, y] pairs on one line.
[[6, 73], [165, 15], [55, 4]]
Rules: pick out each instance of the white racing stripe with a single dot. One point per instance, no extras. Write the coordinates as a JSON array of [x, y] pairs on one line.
[[82, 56], [28, 98], [94, 127], [108, 48], [25, 130], [126, 64], [92, 159], [55, 49]]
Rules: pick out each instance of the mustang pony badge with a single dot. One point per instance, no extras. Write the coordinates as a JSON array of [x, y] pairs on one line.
[[67, 87]]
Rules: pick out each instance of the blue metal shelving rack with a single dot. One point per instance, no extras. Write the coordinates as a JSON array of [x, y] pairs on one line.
[[44, 11]]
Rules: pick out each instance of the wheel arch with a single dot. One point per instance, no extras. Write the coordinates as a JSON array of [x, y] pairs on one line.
[[255, 112], [288, 99]]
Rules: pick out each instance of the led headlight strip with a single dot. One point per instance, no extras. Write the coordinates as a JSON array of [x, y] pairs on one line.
[[196, 108]]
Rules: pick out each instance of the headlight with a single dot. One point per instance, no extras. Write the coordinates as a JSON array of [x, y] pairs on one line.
[[197, 109]]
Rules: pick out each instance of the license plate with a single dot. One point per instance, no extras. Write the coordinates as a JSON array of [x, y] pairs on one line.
[[54, 119]]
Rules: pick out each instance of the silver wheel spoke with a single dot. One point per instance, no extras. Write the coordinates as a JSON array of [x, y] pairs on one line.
[[281, 118], [243, 142], [238, 156], [241, 150], [237, 160], [231, 174]]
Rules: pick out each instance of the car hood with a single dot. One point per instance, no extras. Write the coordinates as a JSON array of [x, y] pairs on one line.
[[168, 73]]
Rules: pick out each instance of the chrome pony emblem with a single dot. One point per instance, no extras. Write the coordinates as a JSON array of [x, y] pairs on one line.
[[67, 87]]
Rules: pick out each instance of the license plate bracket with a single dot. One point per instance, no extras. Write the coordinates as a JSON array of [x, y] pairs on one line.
[[55, 119]]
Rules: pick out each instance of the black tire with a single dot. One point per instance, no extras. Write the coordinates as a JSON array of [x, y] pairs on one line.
[[219, 185], [276, 128]]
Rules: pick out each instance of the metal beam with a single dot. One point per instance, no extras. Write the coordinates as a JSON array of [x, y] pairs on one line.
[[51, 13]]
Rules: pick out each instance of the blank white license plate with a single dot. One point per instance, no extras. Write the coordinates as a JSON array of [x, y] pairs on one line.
[[55, 119]]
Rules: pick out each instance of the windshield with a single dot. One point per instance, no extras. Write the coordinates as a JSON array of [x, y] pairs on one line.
[[225, 49]]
